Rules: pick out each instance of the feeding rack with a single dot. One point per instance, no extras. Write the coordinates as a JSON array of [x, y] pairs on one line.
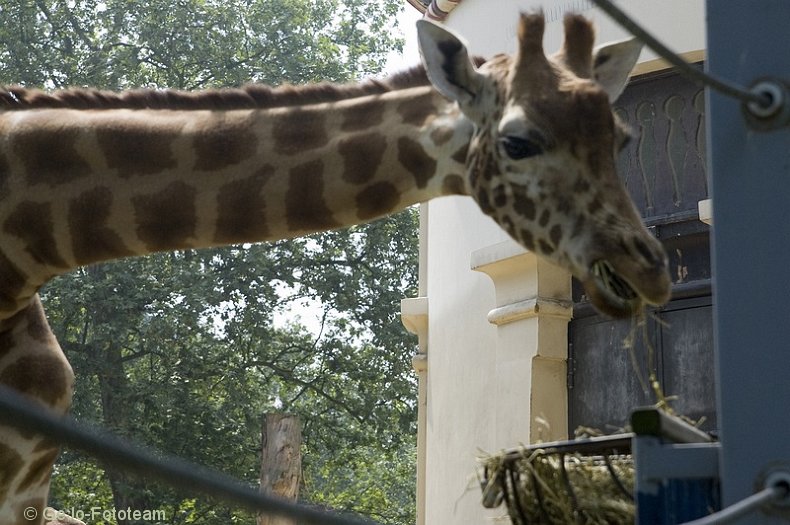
[[593, 480]]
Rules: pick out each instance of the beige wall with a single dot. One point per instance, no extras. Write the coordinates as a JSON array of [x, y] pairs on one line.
[[492, 318], [462, 377]]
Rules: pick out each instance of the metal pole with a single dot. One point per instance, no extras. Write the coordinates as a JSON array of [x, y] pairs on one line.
[[750, 167]]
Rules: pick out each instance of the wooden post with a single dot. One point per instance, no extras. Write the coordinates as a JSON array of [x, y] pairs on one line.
[[281, 463]]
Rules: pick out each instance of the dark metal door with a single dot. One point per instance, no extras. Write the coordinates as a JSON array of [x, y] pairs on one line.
[[609, 361]]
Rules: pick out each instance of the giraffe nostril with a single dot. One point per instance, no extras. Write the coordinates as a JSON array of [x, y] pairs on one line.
[[654, 257]]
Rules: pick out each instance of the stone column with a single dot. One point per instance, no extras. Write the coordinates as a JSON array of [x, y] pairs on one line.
[[533, 307]]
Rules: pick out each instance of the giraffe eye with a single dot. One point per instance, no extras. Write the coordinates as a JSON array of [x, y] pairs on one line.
[[520, 148]]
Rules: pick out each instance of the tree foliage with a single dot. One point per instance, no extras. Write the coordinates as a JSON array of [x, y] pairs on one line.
[[185, 351], [188, 44]]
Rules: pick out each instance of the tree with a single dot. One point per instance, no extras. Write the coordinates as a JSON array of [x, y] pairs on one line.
[[184, 351], [187, 44]]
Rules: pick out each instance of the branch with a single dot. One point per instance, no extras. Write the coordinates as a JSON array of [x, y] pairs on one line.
[[135, 355], [288, 375]]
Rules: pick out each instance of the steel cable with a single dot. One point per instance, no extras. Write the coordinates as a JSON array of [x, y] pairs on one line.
[[22, 413], [742, 508], [693, 74]]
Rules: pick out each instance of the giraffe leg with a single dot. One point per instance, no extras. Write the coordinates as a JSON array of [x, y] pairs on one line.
[[31, 362]]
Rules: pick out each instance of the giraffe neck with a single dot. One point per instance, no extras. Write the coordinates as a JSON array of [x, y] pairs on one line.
[[83, 186]]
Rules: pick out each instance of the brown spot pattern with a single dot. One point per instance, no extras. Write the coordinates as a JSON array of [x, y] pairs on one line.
[[600, 161], [555, 234], [563, 203], [527, 239], [10, 465], [7, 342], [240, 209], [544, 218], [166, 220], [362, 116], [137, 150], [377, 200], [414, 158], [442, 135], [453, 185], [545, 247], [483, 201], [362, 154], [524, 206], [36, 503], [32, 222], [299, 130], [415, 111], [36, 321], [4, 175], [49, 155], [581, 185], [39, 376], [305, 207], [12, 283], [46, 445], [499, 195], [460, 155], [221, 144], [594, 206], [509, 226], [39, 471], [91, 239]]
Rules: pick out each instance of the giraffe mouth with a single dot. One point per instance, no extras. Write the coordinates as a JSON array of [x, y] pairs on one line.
[[610, 292]]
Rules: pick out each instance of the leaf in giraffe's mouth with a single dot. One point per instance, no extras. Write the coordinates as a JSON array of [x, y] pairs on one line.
[[614, 295]]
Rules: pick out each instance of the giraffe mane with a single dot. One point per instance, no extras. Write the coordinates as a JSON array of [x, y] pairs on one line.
[[251, 96]]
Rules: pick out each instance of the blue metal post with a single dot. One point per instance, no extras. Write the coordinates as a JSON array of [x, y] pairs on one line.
[[749, 41]]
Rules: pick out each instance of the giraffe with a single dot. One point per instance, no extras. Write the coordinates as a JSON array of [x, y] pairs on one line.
[[89, 176]]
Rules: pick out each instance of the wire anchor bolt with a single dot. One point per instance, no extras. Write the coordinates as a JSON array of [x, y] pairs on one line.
[[772, 111]]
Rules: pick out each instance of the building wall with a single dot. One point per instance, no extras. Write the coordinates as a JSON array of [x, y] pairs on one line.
[[494, 318]]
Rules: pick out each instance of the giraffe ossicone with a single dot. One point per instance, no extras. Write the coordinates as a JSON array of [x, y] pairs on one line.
[[89, 176]]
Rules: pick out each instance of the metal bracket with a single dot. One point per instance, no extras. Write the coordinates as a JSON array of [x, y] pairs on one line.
[[656, 461]]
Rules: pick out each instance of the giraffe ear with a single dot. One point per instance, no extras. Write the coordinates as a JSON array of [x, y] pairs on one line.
[[612, 63], [447, 64]]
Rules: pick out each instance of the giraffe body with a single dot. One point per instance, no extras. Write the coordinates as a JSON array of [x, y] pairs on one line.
[[88, 176]]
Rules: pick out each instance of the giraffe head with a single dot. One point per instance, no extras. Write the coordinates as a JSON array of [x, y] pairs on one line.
[[542, 158]]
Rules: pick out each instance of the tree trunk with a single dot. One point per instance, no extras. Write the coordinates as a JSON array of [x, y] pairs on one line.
[[127, 491], [281, 463]]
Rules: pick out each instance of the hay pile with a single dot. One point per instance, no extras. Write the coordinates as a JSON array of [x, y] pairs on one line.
[[544, 487]]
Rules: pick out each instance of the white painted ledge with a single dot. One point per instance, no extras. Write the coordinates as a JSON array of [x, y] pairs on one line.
[[706, 211], [496, 253], [525, 285], [539, 306], [414, 315]]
